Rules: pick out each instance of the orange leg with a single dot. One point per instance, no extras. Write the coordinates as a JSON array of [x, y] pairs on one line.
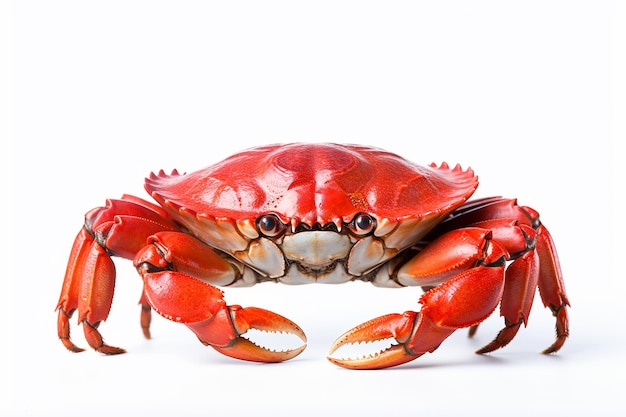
[[517, 298], [552, 288], [88, 288], [118, 229], [519, 230]]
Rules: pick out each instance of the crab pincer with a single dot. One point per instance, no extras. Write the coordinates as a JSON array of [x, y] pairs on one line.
[[244, 319], [201, 307], [413, 333], [399, 327]]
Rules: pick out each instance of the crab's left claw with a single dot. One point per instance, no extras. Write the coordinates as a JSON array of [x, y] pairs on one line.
[[450, 306], [398, 327], [244, 319], [412, 334]]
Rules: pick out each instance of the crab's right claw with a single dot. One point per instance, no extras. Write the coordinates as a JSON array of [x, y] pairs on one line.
[[244, 319], [201, 307], [391, 326]]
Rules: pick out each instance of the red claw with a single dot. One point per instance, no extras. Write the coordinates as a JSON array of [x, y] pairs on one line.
[[244, 319], [396, 326], [216, 324]]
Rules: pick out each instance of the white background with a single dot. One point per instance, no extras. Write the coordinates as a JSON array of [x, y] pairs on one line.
[[98, 94]]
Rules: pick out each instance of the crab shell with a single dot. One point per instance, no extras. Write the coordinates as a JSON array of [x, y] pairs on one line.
[[316, 191]]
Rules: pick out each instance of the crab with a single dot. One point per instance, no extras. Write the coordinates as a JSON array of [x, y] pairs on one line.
[[316, 213]]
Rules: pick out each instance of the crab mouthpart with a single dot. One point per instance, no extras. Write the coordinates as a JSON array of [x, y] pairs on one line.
[[317, 250], [253, 326], [390, 331]]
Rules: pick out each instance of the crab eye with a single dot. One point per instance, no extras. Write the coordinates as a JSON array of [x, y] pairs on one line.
[[269, 225], [363, 224]]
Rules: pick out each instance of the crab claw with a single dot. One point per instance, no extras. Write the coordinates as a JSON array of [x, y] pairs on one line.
[[244, 319], [201, 307], [391, 326]]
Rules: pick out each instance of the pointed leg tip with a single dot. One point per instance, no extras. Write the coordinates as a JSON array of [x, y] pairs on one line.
[[110, 350], [146, 333], [485, 349], [555, 347], [69, 345], [504, 337]]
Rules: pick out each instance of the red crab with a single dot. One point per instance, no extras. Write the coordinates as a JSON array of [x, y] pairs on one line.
[[328, 213]]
